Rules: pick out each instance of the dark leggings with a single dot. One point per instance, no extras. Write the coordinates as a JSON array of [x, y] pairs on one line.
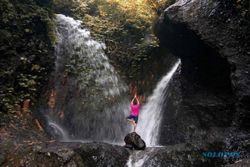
[[135, 118]]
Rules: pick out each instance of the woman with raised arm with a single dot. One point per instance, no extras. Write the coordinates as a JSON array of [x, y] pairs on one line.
[[134, 109]]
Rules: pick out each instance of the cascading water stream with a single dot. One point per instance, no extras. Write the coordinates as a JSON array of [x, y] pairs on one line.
[[150, 119], [150, 115], [89, 96]]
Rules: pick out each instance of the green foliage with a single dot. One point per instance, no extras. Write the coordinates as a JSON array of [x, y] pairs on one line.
[[50, 26], [124, 25], [25, 49]]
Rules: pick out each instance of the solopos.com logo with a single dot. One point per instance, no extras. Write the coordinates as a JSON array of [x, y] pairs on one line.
[[221, 154]]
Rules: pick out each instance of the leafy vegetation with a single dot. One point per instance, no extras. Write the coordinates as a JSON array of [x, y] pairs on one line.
[[126, 27], [26, 34]]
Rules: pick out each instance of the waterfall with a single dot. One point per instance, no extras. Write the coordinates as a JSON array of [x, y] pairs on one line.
[[150, 115], [90, 99], [150, 119]]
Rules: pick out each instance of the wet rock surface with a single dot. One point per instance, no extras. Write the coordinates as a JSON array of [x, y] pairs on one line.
[[214, 53], [70, 154], [181, 155], [212, 90], [244, 162], [103, 155], [210, 94], [134, 141]]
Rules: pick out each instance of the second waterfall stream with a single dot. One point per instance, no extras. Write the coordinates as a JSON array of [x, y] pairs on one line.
[[150, 119], [151, 113], [88, 100]]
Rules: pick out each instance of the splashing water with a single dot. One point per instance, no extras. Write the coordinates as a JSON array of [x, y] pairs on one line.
[[58, 131], [150, 115], [90, 98], [137, 159]]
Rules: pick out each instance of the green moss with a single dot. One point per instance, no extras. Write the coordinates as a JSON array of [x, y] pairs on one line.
[[51, 31]]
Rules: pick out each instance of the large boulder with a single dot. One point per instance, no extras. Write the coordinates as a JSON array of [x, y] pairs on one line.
[[134, 141], [212, 90], [211, 38]]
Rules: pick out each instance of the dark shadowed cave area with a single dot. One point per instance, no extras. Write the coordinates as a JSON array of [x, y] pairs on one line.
[[200, 62], [202, 95]]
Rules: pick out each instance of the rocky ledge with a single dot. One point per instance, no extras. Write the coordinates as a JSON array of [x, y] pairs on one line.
[[68, 154], [53, 154]]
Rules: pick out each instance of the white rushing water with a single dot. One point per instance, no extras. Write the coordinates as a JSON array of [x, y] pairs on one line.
[[76, 43], [91, 102], [137, 159], [150, 115], [90, 98], [150, 120]]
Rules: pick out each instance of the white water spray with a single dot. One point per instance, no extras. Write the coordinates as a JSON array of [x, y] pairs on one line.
[[75, 43], [137, 159], [59, 131], [151, 114], [90, 98]]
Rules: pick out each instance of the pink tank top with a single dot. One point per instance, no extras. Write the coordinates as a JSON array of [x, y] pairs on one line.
[[135, 109]]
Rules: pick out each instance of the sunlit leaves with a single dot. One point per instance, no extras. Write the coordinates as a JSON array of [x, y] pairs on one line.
[[126, 27]]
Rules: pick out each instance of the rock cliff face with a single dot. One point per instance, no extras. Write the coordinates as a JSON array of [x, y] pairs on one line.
[[212, 40]]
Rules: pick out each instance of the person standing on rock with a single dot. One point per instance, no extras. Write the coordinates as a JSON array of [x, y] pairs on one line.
[[134, 108]]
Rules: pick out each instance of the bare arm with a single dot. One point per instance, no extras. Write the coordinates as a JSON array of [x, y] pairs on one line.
[[132, 100], [138, 102]]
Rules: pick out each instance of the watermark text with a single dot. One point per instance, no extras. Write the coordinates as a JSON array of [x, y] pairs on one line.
[[221, 154]]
